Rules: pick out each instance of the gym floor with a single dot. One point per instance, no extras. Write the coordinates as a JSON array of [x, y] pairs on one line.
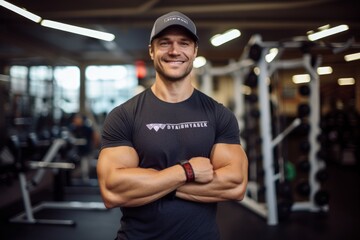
[[236, 222]]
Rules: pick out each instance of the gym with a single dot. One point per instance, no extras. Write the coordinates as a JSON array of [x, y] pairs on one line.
[[290, 74]]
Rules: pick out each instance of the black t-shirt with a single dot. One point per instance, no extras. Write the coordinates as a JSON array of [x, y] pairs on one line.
[[163, 134]]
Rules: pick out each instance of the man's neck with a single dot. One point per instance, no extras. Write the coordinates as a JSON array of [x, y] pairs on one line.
[[172, 92]]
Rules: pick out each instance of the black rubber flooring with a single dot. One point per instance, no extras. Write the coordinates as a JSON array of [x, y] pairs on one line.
[[236, 222]]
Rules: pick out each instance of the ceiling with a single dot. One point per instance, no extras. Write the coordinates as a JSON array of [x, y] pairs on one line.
[[25, 42]]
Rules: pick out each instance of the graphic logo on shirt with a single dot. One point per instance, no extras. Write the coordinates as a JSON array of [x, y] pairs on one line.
[[176, 126]]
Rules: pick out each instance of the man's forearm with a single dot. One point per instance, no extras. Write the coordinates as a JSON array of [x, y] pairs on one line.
[[221, 188], [195, 197], [132, 187]]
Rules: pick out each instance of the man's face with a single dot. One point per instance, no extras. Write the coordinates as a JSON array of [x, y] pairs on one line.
[[173, 53]]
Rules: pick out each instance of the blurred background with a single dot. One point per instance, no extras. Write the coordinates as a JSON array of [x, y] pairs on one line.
[[288, 68]]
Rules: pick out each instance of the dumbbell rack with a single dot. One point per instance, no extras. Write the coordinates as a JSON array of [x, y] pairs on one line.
[[314, 120], [238, 70], [269, 209]]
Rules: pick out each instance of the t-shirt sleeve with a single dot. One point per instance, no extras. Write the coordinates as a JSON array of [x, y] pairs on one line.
[[117, 129], [227, 127]]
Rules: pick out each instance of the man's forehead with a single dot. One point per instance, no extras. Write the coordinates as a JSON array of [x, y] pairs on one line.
[[175, 30]]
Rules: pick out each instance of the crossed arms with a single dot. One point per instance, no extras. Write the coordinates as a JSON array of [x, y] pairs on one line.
[[220, 178]]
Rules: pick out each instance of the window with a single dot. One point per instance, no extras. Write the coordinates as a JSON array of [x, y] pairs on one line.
[[41, 89], [18, 79], [40, 81], [109, 86], [67, 88]]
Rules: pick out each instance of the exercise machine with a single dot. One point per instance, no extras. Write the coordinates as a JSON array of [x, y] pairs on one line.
[[48, 162]]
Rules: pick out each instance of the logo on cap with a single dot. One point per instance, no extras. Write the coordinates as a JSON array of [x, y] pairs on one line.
[[176, 18]]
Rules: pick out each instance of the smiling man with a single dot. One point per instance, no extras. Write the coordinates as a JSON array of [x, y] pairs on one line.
[[171, 153]]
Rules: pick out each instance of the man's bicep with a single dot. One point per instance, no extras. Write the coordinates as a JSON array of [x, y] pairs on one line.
[[118, 157], [223, 155]]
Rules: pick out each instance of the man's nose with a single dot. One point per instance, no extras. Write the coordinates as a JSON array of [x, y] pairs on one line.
[[174, 48]]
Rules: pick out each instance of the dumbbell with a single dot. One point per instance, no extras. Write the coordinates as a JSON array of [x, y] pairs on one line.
[[303, 188], [322, 154], [305, 146], [303, 128], [303, 110], [255, 52], [321, 198], [253, 98], [304, 90], [304, 165], [255, 113], [321, 175], [251, 80]]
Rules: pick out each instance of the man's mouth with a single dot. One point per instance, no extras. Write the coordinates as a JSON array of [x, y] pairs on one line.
[[175, 62]]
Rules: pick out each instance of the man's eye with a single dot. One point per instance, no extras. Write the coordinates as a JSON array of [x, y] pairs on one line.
[[185, 43]]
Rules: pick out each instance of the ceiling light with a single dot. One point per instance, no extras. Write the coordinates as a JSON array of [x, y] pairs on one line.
[[322, 28], [327, 32], [20, 11], [301, 78], [324, 70], [57, 25], [199, 62], [346, 81], [271, 55], [352, 57], [78, 30], [227, 36]]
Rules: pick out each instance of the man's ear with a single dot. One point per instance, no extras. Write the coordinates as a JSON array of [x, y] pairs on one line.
[[196, 50], [151, 52]]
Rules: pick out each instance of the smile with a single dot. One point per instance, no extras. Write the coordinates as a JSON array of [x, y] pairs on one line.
[[174, 61]]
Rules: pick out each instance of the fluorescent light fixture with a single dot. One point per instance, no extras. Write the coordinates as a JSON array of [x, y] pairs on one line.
[[327, 32], [322, 28], [20, 11], [57, 25], [271, 55], [324, 70], [346, 81], [199, 62], [227, 36], [301, 78], [78, 30], [352, 57]]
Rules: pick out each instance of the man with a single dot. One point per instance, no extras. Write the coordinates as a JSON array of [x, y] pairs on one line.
[[171, 153]]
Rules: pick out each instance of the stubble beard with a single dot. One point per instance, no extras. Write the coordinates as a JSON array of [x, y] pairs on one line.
[[172, 78]]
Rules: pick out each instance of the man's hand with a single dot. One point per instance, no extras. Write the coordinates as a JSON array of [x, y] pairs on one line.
[[203, 169], [226, 173]]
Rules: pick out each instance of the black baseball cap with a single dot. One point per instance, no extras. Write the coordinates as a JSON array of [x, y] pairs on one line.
[[173, 19]]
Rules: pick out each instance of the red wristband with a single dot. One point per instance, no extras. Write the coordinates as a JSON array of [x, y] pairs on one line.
[[189, 172]]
